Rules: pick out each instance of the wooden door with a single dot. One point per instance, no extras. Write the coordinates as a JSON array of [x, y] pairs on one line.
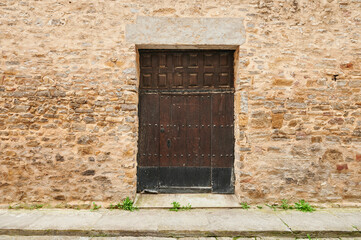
[[186, 139]]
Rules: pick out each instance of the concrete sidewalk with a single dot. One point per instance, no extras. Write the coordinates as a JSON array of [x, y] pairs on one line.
[[190, 223]]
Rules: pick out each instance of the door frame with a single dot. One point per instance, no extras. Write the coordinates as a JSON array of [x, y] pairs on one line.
[[236, 95]]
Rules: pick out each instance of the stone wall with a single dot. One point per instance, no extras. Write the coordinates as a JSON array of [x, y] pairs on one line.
[[69, 94]]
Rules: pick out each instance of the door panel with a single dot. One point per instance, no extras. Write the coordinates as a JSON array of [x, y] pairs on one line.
[[180, 144], [186, 69]]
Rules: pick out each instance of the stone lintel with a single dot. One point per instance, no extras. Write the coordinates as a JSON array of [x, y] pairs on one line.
[[186, 31]]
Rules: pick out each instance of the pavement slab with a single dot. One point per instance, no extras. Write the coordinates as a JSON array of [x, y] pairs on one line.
[[189, 222], [245, 220], [350, 216], [315, 221], [64, 219], [19, 219], [162, 223]]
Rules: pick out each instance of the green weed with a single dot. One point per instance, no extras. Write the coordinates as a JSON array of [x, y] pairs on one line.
[[304, 206], [176, 207], [285, 205], [27, 206], [127, 205], [95, 207], [244, 205], [187, 207]]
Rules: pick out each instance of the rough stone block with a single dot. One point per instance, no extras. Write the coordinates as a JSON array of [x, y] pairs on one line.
[[282, 82], [277, 120], [260, 119], [316, 139], [341, 166]]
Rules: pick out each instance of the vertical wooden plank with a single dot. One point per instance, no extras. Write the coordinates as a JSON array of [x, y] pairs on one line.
[[229, 130], [178, 138], [200, 69], [231, 69], [193, 70], [222, 134], [214, 128], [155, 70], [178, 75], [216, 69], [209, 73], [149, 130], [192, 130], [146, 70], [225, 76], [165, 103], [205, 114], [170, 70]]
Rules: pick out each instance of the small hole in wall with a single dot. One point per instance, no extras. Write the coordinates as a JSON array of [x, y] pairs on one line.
[[334, 77]]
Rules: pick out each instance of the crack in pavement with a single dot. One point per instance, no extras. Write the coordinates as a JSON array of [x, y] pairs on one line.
[[355, 227], [286, 224]]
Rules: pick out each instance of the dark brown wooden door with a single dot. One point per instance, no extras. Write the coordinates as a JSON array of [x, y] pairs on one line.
[[186, 139]]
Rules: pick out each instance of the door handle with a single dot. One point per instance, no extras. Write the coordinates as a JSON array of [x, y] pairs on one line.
[[168, 143], [162, 130]]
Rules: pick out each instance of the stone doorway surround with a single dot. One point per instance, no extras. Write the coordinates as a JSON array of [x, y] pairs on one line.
[[194, 33]]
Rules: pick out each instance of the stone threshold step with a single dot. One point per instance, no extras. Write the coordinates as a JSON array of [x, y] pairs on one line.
[[196, 200]]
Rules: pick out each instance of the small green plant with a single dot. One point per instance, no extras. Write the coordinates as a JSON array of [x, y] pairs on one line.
[[244, 205], [116, 206], [304, 206], [36, 206], [285, 205], [128, 205], [27, 206], [259, 207], [95, 207], [111, 206], [14, 207], [187, 207], [176, 207]]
